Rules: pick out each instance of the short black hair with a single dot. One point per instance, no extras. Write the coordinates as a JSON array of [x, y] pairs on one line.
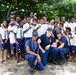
[[55, 22], [72, 17], [68, 28], [61, 24], [19, 21], [13, 18], [35, 19], [4, 20], [31, 12], [18, 16]]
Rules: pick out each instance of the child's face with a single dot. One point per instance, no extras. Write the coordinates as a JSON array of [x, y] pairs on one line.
[[42, 21], [12, 16], [12, 21], [28, 20], [34, 21], [21, 24], [60, 26], [56, 24], [24, 20], [72, 19], [52, 22], [58, 20], [17, 19], [5, 23], [67, 31], [31, 14]]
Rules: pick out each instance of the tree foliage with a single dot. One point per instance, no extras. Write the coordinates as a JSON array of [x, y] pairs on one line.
[[49, 8]]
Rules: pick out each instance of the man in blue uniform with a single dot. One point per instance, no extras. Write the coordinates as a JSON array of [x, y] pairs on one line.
[[32, 53]]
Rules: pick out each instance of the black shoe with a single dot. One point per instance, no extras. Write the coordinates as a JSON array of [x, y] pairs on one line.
[[54, 61], [62, 62], [31, 71]]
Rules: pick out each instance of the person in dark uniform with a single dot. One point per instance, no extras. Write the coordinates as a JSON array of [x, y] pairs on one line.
[[32, 53], [45, 41], [62, 46]]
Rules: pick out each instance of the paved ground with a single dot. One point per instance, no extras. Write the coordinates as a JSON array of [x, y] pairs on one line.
[[10, 67]]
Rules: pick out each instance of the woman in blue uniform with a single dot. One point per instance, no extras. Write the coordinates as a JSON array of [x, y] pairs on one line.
[[62, 46], [45, 41]]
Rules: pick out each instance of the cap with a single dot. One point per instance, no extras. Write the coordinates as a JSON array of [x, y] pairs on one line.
[[58, 31], [12, 13], [34, 33], [49, 29]]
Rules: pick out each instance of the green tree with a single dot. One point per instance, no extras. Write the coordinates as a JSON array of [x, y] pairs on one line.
[[49, 8]]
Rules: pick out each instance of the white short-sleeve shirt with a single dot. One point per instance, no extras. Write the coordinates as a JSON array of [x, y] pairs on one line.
[[27, 34], [0, 30], [42, 30], [4, 34], [12, 34], [74, 39], [19, 32], [65, 25], [72, 26], [51, 26]]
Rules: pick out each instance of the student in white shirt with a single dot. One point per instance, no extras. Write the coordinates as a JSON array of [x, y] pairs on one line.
[[65, 23], [68, 35], [41, 28], [72, 24], [51, 24], [17, 19], [34, 24], [25, 20], [58, 20], [74, 46], [45, 20], [12, 34], [4, 39], [19, 41], [0, 38], [27, 31], [61, 28], [31, 16]]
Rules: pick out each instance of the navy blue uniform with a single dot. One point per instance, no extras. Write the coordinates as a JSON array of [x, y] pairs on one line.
[[44, 42], [64, 50], [34, 47]]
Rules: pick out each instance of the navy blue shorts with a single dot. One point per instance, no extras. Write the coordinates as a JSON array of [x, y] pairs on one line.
[[73, 49], [70, 48], [12, 46], [4, 46], [19, 46]]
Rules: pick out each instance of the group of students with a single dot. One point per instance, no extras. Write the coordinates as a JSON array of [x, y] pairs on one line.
[[38, 40]]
